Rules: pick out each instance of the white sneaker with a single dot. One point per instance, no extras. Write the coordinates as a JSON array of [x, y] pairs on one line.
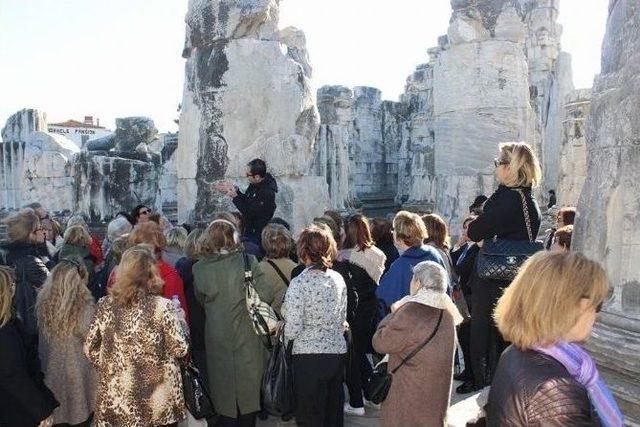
[[350, 410], [370, 404]]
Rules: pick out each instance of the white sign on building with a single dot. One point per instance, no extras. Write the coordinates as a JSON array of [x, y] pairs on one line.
[[79, 132]]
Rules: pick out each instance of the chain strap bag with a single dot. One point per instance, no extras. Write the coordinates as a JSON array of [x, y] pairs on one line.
[[500, 259], [379, 384], [263, 316]]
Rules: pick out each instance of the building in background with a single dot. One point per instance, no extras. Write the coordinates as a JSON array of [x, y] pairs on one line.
[[79, 132]]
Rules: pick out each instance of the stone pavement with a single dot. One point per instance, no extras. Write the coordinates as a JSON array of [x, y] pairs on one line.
[[372, 417]]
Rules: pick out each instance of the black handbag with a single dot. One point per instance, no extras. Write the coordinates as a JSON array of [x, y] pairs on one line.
[[278, 397], [500, 259], [379, 384], [196, 395]]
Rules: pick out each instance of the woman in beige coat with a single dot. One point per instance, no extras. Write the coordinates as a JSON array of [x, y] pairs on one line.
[[421, 388], [64, 309]]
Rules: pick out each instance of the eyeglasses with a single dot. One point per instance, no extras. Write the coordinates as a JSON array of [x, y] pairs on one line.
[[250, 175], [497, 163], [144, 212]]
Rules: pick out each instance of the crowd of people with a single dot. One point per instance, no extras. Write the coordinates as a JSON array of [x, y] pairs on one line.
[[94, 332]]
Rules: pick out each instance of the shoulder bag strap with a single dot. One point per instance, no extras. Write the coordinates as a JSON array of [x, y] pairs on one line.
[[525, 211], [280, 273], [421, 346], [248, 274]]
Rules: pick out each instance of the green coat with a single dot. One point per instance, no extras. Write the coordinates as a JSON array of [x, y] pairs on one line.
[[236, 357], [81, 252]]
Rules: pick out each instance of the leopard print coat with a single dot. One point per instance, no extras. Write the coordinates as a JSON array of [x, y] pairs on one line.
[[134, 349]]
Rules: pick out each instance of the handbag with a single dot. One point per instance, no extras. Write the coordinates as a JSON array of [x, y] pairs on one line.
[[263, 317], [196, 395], [379, 384], [278, 397], [500, 259]]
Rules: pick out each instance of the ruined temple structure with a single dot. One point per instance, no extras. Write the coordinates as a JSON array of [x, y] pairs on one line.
[[247, 94], [497, 75], [119, 171], [35, 165], [608, 227]]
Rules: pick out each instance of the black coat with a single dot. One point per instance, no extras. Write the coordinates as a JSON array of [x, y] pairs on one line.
[[503, 216], [31, 272], [465, 267], [257, 205], [24, 398], [196, 312]]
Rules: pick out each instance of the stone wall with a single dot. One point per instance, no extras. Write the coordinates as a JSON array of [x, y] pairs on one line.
[[573, 152], [247, 94], [608, 225]]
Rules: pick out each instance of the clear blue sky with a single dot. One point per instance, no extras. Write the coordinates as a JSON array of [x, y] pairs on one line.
[[119, 58]]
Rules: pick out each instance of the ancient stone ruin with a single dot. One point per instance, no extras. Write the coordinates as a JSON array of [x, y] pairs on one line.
[[607, 228], [247, 94]]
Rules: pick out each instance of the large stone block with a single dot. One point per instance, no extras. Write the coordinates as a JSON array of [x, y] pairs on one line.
[[608, 225]]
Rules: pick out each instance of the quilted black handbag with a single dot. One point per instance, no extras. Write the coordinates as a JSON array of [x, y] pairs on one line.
[[378, 385], [277, 382], [500, 259]]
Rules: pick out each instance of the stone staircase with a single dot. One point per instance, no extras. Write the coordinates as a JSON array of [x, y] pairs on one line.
[[378, 205]]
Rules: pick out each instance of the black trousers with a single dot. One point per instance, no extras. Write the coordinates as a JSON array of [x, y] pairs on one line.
[[318, 389], [487, 343], [359, 369], [246, 420]]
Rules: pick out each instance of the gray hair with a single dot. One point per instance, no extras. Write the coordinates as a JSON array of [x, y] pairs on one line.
[[118, 228], [431, 276]]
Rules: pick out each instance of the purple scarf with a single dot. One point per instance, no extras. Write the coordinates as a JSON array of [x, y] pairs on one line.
[[583, 369]]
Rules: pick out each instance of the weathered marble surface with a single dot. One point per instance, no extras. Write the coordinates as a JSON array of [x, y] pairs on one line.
[[481, 98], [35, 165], [608, 227], [119, 172], [573, 152], [247, 94]]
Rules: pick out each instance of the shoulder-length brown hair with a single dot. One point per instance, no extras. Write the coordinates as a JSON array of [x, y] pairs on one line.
[[77, 235], [7, 280], [276, 241], [437, 231], [21, 224], [137, 275], [318, 246], [148, 233], [219, 235], [542, 304], [357, 233]]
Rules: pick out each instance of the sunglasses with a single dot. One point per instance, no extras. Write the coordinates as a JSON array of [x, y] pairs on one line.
[[250, 175], [497, 162], [144, 212], [598, 307]]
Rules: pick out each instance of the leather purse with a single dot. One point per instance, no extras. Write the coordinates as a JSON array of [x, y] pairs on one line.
[[263, 317], [379, 384], [196, 395], [500, 259]]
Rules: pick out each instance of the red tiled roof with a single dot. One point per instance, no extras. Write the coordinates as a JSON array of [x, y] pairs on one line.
[[75, 124]]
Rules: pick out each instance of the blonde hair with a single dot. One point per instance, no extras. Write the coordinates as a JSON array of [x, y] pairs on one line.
[[148, 233], [21, 224], [409, 228], [137, 275], [219, 235], [176, 237], [276, 241], [63, 298], [542, 304], [77, 235], [524, 168], [7, 277]]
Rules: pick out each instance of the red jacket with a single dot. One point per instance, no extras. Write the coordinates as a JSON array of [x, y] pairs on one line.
[[172, 284], [95, 249]]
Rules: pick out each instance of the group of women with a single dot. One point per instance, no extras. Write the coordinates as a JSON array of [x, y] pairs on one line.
[[348, 292]]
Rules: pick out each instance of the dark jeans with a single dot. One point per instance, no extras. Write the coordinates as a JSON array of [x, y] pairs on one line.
[[487, 343], [318, 389], [359, 369]]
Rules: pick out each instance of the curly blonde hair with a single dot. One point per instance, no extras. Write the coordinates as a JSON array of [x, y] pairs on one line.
[[137, 275], [7, 278], [77, 235], [63, 298]]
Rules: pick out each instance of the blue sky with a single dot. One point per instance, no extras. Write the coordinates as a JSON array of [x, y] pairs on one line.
[[119, 58]]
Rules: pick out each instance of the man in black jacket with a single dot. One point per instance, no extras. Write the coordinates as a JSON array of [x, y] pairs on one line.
[[258, 203]]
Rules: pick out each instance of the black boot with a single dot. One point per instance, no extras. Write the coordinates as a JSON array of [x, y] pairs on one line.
[[468, 387]]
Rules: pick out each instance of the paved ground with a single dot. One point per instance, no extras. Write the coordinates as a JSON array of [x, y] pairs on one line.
[[372, 418]]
